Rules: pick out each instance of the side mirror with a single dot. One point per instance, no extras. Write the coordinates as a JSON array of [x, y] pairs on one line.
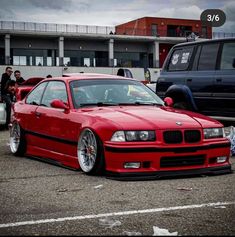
[[169, 101], [59, 104]]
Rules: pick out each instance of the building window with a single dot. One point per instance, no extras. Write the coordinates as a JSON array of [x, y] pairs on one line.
[[204, 32], [57, 61], [66, 61], [154, 30], [128, 59], [115, 62], [39, 61], [30, 60], [49, 61], [87, 62], [19, 60]]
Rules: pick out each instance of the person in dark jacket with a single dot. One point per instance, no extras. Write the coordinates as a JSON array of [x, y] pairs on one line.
[[6, 77], [18, 77], [11, 90]]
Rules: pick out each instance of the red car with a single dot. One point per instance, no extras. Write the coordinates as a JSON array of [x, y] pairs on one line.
[[104, 124], [23, 89]]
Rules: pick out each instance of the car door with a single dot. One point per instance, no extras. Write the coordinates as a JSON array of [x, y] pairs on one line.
[[224, 82], [28, 114], [58, 132], [201, 77]]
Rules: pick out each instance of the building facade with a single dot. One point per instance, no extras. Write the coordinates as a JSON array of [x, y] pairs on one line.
[[164, 27], [143, 43], [42, 44]]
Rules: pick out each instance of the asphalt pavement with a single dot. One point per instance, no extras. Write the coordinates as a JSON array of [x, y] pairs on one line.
[[37, 198]]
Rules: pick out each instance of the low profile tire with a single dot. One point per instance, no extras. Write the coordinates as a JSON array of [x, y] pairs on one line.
[[17, 140], [90, 153]]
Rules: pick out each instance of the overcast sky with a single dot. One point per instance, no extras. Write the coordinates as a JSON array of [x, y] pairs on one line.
[[111, 12]]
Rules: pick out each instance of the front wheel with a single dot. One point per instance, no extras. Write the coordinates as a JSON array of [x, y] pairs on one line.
[[17, 140], [90, 153]]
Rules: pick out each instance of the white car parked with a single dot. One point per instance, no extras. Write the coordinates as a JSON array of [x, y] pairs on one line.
[[2, 113]]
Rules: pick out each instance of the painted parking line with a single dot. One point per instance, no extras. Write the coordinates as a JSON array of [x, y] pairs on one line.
[[124, 213]]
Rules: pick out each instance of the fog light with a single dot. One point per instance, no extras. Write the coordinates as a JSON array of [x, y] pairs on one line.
[[132, 165], [221, 159]]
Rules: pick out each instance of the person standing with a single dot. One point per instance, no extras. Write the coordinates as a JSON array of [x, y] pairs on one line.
[[11, 90], [6, 78], [19, 79]]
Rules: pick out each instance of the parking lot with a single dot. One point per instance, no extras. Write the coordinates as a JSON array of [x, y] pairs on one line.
[[37, 198]]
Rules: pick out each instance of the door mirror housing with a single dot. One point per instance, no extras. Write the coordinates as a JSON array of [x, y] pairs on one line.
[[59, 104], [169, 101]]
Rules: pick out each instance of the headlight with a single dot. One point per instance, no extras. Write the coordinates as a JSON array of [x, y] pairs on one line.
[[118, 136], [213, 133], [129, 136]]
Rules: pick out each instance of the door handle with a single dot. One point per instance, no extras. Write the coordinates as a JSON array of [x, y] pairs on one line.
[[189, 80], [218, 79], [38, 114]]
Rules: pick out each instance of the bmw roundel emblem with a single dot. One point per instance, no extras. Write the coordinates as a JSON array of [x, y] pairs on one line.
[[179, 123]]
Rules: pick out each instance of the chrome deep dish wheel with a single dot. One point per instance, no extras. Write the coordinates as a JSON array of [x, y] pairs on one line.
[[15, 136], [87, 151]]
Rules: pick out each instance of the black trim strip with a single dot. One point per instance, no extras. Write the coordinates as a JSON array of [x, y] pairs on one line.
[[56, 139], [165, 149], [135, 176]]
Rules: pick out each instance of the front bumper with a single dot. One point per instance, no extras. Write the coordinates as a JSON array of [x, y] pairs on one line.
[[159, 162]]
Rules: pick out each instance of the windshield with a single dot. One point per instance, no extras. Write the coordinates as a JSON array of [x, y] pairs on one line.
[[103, 92]]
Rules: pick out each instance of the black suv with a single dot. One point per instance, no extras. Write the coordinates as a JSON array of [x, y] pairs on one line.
[[200, 76]]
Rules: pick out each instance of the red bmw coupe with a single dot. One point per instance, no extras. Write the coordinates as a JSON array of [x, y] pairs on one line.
[[104, 124]]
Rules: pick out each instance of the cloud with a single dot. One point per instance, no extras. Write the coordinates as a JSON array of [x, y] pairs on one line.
[[110, 12], [229, 10], [52, 4], [190, 12]]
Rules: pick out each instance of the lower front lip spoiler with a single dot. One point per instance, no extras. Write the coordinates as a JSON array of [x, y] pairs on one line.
[[135, 176]]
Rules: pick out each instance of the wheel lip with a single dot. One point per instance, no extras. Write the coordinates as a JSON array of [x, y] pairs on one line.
[[14, 141], [81, 156]]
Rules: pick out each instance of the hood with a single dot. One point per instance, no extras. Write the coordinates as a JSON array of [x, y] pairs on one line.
[[150, 117]]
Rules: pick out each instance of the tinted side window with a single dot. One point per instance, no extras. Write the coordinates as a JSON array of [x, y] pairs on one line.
[[54, 90], [228, 55], [208, 57], [35, 95], [180, 59], [196, 58]]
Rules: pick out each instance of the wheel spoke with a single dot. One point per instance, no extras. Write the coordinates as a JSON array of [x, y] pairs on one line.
[[87, 150], [15, 138]]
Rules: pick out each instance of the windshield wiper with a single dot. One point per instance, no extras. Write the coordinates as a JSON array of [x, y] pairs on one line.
[[100, 104], [141, 103]]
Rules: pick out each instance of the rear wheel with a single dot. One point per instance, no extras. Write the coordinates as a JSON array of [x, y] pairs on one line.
[[90, 153], [17, 140]]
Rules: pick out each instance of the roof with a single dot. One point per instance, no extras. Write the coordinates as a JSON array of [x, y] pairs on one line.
[[81, 76], [204, 41]]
